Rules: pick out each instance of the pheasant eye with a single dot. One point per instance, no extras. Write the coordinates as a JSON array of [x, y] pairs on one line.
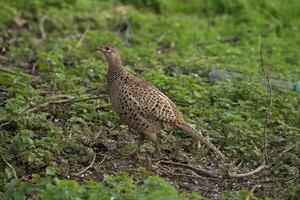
[[107, 48]]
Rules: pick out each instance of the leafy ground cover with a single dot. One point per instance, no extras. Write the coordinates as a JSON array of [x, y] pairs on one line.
[[47, 54]]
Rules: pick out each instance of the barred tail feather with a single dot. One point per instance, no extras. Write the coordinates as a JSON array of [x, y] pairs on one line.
[[199, 137]]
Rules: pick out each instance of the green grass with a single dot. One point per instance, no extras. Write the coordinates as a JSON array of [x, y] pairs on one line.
[[172, 44]]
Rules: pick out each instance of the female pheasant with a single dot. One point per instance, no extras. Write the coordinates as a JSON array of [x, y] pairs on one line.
[[142, 106]]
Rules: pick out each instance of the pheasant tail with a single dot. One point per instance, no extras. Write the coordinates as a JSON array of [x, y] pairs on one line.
[[199, 137]]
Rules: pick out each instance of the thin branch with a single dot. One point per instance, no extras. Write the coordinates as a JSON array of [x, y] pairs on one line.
[[41, 26], [10, 166], [195, 175], [201, 170], [5, 123], [162, 36], [82, 37], [33, 69], [102, 160], [265, 139], [7, 71], [266, 75], [113, 128], [62, 101], [90, 165], [280, 180], [283, 152], [251, 173]]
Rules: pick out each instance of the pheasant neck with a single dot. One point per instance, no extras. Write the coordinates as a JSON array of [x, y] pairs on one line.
[[115, 66]]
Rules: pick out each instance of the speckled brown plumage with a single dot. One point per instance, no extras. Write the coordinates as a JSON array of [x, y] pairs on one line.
[[142, 106]]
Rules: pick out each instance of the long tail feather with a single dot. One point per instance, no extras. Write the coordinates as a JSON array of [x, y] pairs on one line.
[[199, 137]]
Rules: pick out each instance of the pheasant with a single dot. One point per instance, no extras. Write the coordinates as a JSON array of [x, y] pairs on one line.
[[143, 107]]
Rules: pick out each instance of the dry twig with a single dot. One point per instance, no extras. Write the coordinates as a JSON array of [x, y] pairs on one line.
[[62, 101], [265, 142], [283, 152], [41, 26], [197, 169], [251, 173], [82, 37], [34, 67], [162, 36], [266, 75], [10, 166], [5, 123], [194, 175], [90, 165], [7, 71], [3, 102]]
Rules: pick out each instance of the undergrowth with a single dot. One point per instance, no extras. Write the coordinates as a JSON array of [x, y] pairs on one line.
[[47, 53]]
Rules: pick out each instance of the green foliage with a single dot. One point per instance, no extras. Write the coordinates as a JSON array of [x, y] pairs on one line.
[[113, 187], [172, 44], [242, 194]]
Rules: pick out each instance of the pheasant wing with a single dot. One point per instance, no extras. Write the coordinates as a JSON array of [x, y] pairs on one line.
[[152, 102]]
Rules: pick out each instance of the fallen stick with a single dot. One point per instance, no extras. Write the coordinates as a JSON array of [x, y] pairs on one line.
[[251, 173], [268, 114], [201, 170], [82, 37], [283, 152], [90, 165], [42, 29], [10, 166], [62, 101]]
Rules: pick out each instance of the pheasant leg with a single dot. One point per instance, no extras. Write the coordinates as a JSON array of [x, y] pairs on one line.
[[157, 149]]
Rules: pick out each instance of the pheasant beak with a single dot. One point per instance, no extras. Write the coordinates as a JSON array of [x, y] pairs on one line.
[[101, 48]]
